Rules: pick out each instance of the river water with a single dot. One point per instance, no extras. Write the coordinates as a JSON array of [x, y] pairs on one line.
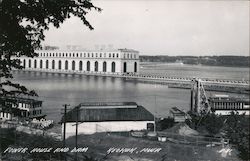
[[55, 89]]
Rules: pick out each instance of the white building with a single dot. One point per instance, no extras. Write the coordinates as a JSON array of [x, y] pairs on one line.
[[225, 105], [20, 107], [96, 62], [107, 117]]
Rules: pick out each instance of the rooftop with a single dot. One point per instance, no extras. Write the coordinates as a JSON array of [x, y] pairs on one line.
[[86, 50], [19, 99], [109, 111], [228, 99]]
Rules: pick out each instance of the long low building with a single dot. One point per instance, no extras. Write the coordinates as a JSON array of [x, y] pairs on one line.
[[96, 117], [99, 62], [224, 105]]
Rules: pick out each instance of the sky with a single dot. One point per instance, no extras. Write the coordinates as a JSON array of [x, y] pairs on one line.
[[161, 27]]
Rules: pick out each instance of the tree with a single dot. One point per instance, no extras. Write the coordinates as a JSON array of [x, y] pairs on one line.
[[22, 26], [237, 129]]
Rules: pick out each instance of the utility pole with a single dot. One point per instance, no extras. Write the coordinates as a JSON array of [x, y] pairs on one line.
[[64, 127], [77, 115], [154, 117], [64, 124]]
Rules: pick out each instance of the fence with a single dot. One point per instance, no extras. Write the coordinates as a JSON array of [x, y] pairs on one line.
[[193, 140]]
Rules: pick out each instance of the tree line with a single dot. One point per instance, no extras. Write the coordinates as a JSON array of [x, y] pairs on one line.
[[231, 61]]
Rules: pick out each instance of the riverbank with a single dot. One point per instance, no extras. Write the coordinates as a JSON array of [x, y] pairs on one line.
[[104, 146]]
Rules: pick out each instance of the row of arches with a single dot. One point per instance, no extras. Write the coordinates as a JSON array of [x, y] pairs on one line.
[[73, 65]]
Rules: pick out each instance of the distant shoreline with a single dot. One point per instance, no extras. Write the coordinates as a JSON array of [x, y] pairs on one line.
[[220, 61], [174, 63]]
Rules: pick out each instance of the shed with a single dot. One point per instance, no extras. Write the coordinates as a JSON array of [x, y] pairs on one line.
[[107, 117]]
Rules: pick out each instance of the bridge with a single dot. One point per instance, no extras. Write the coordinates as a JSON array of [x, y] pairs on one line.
[[238, 86]]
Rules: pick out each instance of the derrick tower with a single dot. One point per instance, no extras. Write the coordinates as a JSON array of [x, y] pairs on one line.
[[199, 100]]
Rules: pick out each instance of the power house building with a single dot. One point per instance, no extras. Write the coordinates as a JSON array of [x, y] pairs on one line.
[[97, 62]]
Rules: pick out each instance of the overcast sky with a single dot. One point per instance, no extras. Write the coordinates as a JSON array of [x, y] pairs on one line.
[[161, 27]]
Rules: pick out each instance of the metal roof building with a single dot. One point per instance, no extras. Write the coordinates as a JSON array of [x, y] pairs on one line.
[[107, 117], [109, 111]]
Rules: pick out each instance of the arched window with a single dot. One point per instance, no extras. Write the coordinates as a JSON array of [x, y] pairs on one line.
[[135, 70], [117, 55], [47, 64], [124, 67], [35, 64], [60, 64], [41, 64], [113, 67], [24, 63], [66, 65], [80, 65], [96, 66], [73, 65], [53, 64], [88, 66], [29, 63], [104, 67]]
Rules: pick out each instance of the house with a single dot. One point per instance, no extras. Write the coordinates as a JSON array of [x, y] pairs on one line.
[[178, 115], [25, 108], [96, 117]]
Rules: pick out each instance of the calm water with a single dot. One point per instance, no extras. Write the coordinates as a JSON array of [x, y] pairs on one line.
[[56, 90], [213, 72]]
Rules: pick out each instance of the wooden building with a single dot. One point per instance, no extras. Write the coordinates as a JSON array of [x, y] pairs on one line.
[[178, 115], [96, 117], [25, 108]]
